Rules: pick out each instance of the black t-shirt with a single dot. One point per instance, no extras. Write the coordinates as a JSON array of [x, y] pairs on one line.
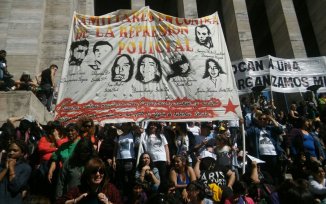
[[218, 175], [46, 77]]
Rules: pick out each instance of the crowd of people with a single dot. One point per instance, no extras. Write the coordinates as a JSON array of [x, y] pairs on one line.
[[168, 162], [283, 160]]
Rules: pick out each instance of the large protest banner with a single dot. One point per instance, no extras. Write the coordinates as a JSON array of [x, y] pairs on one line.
[[144, 65], [280, 75]]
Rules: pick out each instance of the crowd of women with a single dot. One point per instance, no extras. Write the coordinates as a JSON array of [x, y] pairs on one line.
[[193, 162]]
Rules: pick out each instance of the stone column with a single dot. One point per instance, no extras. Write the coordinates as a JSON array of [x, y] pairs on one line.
[[20, 31], [237, 29], [137, 4], [187, 9], [285, 29], [317, 15], [89, 10]]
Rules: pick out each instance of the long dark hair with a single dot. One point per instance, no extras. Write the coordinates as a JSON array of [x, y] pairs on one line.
[[141, 162], [140, 77], [131, 70], [8, 133], [176, 67], [158, 130], [83, 151], [206, 74]]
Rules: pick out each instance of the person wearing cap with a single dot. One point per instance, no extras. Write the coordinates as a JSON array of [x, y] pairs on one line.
[[14, 174]]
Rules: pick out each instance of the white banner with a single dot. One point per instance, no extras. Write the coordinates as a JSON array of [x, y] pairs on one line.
[[280, 75], [144, 65]]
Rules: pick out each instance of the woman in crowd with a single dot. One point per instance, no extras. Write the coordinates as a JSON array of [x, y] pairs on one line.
[[181, 174], [223, 150], [94, 186], [14, 173], [185, 140], [156, 145], [147, 174], [73, 168], [317, 181], [87, 129], [65, 150], [293, 114], [48, 144], [124, 159], [139, 196], [106, 147], [196, 193], [303, 141]]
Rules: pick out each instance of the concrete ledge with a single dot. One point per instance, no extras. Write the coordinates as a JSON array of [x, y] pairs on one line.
[[20, 103]]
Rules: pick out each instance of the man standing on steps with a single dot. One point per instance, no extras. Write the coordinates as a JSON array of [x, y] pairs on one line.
[[47, 85]]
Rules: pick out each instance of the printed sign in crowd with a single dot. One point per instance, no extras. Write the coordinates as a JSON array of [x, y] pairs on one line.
[[144, 65], [280, 75]]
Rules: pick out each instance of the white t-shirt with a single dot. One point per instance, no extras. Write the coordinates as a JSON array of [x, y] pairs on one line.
[[182, 144], [266, 146], [155, 146], [233, 123], [125, 147], [195, 130]]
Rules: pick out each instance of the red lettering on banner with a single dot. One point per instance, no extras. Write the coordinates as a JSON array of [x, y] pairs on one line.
[[185, 108], [178, 22], [93, 20], [169, 19]]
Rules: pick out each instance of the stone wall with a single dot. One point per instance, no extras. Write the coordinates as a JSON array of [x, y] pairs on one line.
[[35, 33], [20, 103]]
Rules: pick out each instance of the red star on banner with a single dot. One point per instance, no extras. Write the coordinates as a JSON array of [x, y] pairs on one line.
[[230, 107]]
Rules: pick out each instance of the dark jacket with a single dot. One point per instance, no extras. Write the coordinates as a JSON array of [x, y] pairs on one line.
[[252, 139], [10, 192]]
